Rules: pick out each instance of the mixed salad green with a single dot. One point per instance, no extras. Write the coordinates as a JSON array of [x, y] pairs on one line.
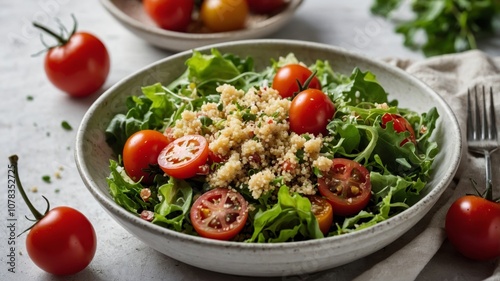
[[398, 168]]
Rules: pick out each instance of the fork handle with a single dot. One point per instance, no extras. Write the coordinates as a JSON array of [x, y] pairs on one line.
[[489, 184]]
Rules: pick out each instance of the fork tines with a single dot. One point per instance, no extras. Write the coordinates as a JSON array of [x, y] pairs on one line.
[[481, 124]]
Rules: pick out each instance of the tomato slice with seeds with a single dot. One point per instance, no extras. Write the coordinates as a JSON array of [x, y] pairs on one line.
[[323, 212], [346, 186], [219, 214], [183, 157]]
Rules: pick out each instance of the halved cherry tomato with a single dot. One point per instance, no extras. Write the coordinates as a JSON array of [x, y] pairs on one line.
[[400, 125], [170, 14], [346, 186], [183, 157], [287, 79], [473, 227], [224, 15], [219, 214], [266, 6], [310, 112], [323, 212], [140, 154]]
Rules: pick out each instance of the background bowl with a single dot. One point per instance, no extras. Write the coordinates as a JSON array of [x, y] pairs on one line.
[[93, 154], [131, 15]]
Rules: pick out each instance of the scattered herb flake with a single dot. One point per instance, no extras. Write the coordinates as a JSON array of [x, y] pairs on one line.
[[30, 98], [66, 126], [46, 178]]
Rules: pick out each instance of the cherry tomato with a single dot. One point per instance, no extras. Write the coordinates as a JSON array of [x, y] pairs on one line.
[[310, 112], [473, 227], [266, 6], [183, 157], [78, 65], [224, 15], [323, 212], [219, 214], [400, 125], [62, 241], [287, 78], [173, 15], [140, 154], [346, 186]]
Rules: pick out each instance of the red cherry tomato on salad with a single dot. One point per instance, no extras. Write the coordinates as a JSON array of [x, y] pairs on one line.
[[310, 112], [173, 15], [219, 214], [323, 212], [224, 15], [78, 65], [400, 125], [346, 186], [62, 240], [473, 227], [183, 157], [140, 154], [287, 78], [266, 6]]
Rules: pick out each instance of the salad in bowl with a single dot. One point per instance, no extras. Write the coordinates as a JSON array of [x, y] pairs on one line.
[[290, 152]]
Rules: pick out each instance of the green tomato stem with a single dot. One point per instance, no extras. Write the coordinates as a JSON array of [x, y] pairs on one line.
[[13, 161], [59, 37]]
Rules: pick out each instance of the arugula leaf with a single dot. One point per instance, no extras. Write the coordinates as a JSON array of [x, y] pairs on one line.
[[177, 196], [289, 219]]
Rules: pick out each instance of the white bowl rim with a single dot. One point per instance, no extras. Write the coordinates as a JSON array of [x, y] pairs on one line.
[[151, 29], [105, 199]]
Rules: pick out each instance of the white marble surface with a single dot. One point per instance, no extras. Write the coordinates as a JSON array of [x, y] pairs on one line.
[[32, 129]]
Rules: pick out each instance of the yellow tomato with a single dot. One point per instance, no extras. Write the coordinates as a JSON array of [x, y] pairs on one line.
[[224, 15]]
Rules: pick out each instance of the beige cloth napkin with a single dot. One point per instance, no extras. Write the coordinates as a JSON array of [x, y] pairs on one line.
[[450, 76], [424, 252]]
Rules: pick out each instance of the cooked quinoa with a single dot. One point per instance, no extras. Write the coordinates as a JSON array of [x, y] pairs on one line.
[[251, 133]]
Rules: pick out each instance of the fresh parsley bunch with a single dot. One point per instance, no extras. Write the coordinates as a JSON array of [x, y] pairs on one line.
[[450, 26]]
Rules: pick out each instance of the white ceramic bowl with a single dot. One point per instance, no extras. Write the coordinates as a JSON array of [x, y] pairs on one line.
[[131, 15], [92, 158]]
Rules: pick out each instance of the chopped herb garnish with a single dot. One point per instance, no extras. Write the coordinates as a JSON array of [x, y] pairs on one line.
[[66, 126], [46, 178]]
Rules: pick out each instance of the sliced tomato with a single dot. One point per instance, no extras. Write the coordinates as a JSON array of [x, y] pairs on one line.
[[400, 125], [346, 186], [323, 212], [219, 214], [183, 157]]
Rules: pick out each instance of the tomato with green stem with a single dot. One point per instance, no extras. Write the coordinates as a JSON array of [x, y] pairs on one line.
[[473, 226], [184, 157], [140, 155], [62, 241], [310, 112], [346, 186], [172, 15], [290, 79], [219, 214], [79, 64]]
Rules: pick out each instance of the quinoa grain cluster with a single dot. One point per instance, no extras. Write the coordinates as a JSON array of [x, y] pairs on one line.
[[251, 133]]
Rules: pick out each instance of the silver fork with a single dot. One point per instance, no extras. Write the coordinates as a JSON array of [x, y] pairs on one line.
[[482, 136]]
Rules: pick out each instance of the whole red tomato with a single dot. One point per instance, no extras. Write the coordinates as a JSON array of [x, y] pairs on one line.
[[400, 125], [62, 241], [266, 6], [173, 15], [288, 77], [79, 64], [310, 112], [140, 154], [473, 227]]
